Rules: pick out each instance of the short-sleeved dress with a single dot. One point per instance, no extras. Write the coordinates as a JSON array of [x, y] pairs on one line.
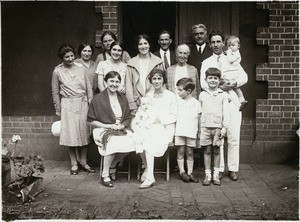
[[106, 66], [72, 93]]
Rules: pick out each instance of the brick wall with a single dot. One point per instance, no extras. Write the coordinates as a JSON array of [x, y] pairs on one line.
[[277, 118], [270, 138], [36, 135], [110, 19]]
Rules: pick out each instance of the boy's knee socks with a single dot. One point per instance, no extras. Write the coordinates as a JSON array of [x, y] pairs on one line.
[[216, 171], [208, 172], [190, 165], [180, 163]]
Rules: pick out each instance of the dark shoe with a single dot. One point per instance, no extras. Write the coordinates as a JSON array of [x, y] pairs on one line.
[[193, 179], [105, 181], [184, 177], [243, 105], [113, 173], [86, 168], [220, 175], [206, 181], [233, 176], [74, 169]]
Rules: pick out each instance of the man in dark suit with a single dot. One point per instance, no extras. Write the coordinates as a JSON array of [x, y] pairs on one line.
[[200, 50], [168, 56]]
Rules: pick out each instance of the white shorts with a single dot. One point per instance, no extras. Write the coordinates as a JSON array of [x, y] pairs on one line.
[[183, 140]]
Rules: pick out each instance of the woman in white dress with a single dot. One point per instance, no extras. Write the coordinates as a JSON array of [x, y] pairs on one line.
[[109, 114], [161, 133]]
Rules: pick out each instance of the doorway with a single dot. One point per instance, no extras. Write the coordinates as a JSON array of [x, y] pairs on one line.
[[147, 18]]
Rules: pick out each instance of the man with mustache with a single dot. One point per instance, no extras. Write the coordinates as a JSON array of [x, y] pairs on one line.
[[216, 41], [200, 50], [167, 55]]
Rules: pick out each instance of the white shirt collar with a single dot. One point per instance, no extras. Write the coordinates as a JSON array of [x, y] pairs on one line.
[[202, 47], [162, 52], [216, 56]]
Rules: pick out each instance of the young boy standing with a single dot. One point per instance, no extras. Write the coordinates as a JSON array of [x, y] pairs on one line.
[[186, 128], [214, 123]]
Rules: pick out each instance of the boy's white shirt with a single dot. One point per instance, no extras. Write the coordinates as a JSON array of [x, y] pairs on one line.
[[212, 62], [187, 117]]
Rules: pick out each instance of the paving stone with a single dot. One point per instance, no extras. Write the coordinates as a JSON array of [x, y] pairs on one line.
[[257, 195]]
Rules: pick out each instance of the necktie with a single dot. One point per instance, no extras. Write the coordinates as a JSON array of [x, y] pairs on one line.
[[166, 60], [200, 50], [219, 62]]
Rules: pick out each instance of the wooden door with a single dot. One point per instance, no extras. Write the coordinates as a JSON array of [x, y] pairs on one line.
[[222, 16]]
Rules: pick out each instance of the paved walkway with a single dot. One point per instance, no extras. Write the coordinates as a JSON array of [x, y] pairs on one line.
[[263, 192]]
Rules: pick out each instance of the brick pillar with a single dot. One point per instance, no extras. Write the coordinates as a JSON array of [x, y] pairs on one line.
[[277, 118], [110, 20]]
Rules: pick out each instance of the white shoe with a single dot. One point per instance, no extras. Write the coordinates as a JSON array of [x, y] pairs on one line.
[[143, 177], [147, 184]]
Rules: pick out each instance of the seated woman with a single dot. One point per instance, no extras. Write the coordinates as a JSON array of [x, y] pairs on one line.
[[109, 113], [161, 131]]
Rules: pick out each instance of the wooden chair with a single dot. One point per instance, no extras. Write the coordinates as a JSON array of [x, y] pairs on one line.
[[160, 171], [128, 172]]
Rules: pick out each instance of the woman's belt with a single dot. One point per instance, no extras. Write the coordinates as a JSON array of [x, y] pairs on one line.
[[83, 96]]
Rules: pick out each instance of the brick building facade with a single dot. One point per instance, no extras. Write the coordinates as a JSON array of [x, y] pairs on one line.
[[270, 137]]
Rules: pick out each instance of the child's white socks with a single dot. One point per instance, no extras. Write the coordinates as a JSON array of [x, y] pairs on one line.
[[216, 172], [208, 173], [190, 166], [180, 163]]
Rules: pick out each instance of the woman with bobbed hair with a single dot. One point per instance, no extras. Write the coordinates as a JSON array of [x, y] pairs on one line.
[[114, 63], [107, 38], [85, 52], [161, 132], [71, 92]]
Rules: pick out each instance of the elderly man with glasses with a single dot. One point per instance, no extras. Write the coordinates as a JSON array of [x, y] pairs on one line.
[[200, 50]]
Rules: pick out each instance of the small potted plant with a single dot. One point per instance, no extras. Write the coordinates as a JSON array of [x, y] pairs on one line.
[[26, 173]]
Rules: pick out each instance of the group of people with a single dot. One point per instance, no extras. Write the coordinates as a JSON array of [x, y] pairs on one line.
[[142, 104]]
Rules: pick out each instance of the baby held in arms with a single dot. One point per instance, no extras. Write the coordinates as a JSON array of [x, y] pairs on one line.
[[142, 122]]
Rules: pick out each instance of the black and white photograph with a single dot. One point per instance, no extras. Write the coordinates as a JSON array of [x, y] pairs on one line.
[[129, 110]]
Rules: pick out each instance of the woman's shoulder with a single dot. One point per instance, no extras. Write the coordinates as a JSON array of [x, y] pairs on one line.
[[121, 95], [104, 64], [133, 61], [169, 94], [155, 59], [99, 96], [191, 67], [58, 67], [100, 57]]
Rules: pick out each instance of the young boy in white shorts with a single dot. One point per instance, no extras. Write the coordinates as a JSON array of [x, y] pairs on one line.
[[186, 128], [214, 123]]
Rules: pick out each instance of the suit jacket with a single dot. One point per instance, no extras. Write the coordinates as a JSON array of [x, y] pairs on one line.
[[192, 73], [195, 59], [172, 57]]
